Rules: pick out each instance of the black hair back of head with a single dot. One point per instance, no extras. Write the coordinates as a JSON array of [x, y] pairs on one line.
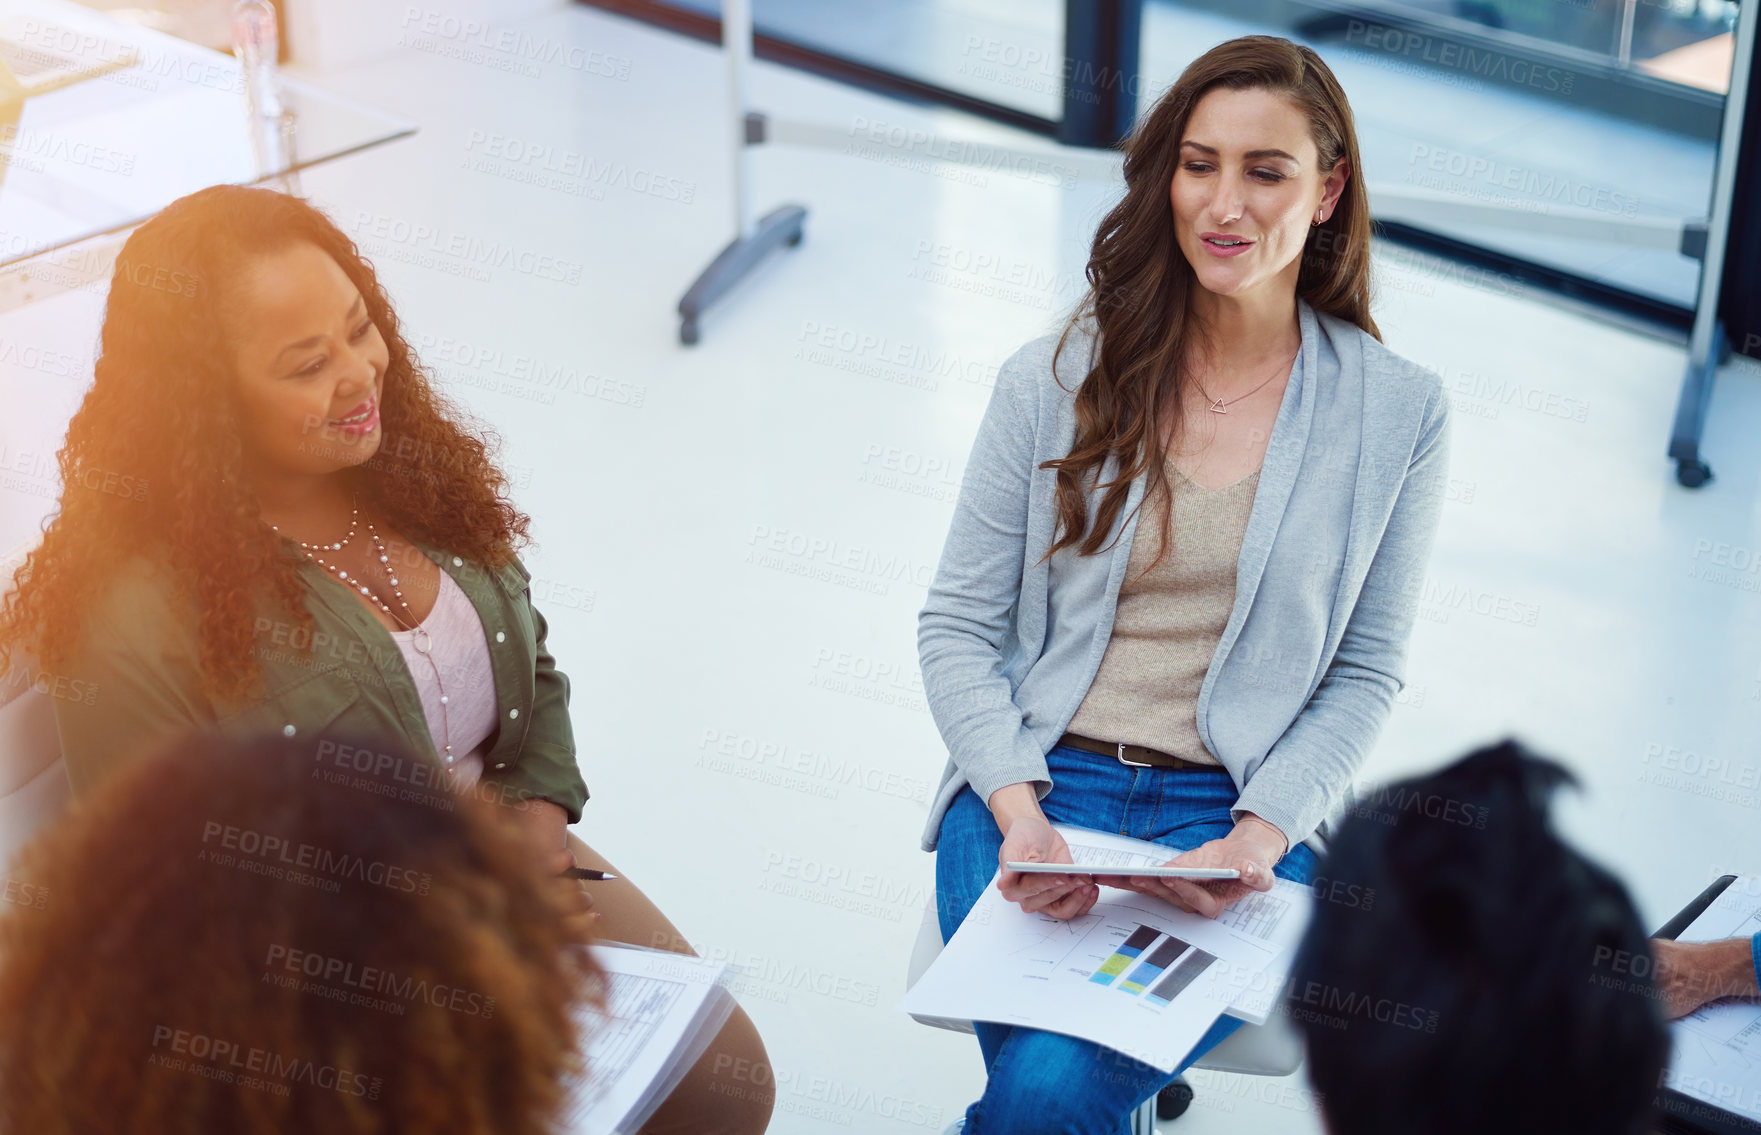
[[1467, 970]]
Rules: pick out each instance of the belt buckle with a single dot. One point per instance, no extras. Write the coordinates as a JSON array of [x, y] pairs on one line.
[[1133, 764]]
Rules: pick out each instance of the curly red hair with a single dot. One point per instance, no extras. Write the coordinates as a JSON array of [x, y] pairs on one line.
[[393, 964], [153, 415]]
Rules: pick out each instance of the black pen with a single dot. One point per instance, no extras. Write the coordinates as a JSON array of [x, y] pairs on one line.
[[588, 873]]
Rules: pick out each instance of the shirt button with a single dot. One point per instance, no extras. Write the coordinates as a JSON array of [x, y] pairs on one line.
[[287, 730], [456, 562], [501, 764], [501, 636], [511, 713]]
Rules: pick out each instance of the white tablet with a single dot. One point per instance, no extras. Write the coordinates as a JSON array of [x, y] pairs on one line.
[[1156, 872]]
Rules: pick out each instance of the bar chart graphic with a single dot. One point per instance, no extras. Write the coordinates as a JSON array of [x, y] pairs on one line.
[[1128, 951], [1152, 964], [1160, 957], [1180, 976]]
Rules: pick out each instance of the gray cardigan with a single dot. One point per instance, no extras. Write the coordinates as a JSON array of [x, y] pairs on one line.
[[1327, 584]]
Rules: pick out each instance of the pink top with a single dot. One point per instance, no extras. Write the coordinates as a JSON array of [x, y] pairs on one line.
[[456, 665]]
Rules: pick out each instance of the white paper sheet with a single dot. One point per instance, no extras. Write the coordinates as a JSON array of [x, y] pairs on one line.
[[661, 1011], [1717, 1051], [1135, 974]]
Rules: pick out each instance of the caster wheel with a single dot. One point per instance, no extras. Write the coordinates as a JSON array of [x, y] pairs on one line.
[[688, 332], [1173, 1100], [1692, 474]]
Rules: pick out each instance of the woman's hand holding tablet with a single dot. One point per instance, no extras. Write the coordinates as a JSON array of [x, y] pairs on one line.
[[1250, 850], [1029, 838]]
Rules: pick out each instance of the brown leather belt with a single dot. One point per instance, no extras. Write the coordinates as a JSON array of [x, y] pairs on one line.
[[1138, 756]]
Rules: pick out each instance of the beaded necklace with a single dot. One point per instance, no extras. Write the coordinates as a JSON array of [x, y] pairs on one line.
[[422, 641]]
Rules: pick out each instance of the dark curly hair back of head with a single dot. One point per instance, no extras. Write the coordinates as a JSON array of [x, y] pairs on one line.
[[225, 939], [160, 412]]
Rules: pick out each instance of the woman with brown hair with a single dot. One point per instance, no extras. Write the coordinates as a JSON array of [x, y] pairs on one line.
[[312, 543], [1176, 594], [297, 953]]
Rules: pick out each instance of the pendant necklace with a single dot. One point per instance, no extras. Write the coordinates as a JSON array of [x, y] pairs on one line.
[[1219, 406]]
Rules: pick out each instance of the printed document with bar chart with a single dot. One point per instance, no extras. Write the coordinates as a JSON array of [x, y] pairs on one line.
[[1135, 973]]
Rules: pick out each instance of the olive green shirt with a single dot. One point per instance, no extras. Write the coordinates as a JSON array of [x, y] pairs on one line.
[[345, 681]]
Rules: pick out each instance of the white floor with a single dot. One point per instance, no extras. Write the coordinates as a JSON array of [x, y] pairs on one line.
[[736, 537]]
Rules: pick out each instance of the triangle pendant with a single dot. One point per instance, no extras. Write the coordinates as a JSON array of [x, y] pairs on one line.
[[1217, 407]]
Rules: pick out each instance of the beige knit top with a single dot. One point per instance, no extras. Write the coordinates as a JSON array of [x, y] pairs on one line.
[[1168, 621]]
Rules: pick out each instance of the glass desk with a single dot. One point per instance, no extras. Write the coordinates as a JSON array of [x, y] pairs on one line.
[[141, 119]]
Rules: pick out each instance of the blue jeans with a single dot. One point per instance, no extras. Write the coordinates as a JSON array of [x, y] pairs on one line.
[[1048, 1082]]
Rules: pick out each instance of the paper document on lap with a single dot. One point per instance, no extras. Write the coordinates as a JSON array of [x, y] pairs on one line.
[[1135, 974], [662, 1010], [1716, 1056]]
